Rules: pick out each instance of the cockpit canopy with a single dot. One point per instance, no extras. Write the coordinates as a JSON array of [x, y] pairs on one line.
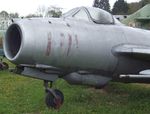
[[96, 15]]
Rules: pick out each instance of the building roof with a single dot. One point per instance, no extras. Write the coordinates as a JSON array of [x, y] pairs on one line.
[[141, 15]]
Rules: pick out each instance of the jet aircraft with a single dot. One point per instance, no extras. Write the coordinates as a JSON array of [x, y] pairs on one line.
[[86, 46]]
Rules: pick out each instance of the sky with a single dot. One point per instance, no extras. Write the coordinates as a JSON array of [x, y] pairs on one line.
[[25, 7]]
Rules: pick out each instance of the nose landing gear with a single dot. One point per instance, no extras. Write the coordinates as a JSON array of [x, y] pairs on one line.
[[54, 97]]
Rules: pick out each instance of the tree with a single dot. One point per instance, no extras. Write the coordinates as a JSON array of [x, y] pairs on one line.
[[31, 16], [103, 4], [133, 7], [41, 11], [13, 15], [144, 2], [54, 12], [120, 7], [4, 14], [50, 11], [4, 20]]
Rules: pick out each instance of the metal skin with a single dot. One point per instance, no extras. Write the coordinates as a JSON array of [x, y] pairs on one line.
[[80, 51]]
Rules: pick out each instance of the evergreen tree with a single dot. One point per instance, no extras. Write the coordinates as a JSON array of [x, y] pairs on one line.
[[103, 4], [144, 2], [120, 7], [13, 15], [133, 7]]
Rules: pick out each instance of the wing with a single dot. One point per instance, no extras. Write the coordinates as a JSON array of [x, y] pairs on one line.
[[38, 71], [130, 50]]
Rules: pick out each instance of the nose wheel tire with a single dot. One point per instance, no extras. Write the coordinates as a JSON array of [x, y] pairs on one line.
[[54, 99]]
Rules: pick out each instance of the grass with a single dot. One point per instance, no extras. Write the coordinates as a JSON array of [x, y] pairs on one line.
[[21, 95]]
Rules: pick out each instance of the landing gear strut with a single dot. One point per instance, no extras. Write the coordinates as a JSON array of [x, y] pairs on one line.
[[54, 97]]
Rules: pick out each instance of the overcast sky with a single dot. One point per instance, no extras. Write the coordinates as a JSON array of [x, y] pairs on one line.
[[25, 7]]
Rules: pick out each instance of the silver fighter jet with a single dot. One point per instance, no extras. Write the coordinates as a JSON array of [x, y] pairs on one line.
[[86, 46]]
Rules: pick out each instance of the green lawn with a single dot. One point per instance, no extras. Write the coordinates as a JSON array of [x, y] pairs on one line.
[[21, 95]]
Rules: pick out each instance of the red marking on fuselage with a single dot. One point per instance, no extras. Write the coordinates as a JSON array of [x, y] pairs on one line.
[[48, 50], [69, 44]]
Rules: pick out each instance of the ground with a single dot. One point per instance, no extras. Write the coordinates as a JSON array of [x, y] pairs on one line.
[[21, 95]]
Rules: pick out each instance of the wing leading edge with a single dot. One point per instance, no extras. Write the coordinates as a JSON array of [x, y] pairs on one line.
[[130, 50]]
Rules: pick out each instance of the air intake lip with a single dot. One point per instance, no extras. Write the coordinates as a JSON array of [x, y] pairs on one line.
[[13, 42]]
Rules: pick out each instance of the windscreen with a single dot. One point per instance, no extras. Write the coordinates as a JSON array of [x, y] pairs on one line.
[[100, 16]]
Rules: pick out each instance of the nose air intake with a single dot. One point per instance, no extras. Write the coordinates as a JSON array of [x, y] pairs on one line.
[[13, 41]]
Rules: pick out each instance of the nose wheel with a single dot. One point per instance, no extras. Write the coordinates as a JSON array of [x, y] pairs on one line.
[[54, 97]]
